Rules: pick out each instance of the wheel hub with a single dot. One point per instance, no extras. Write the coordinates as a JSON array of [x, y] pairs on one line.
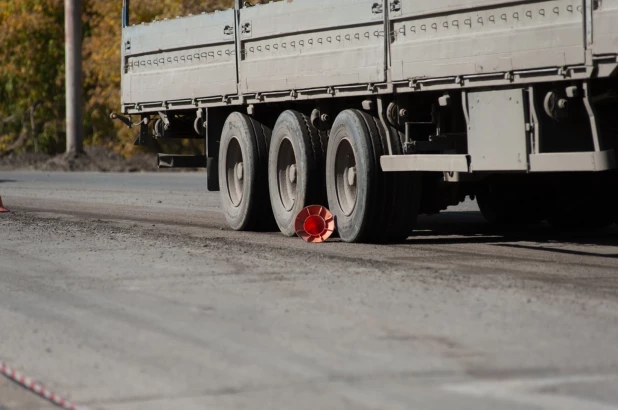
[[351, 176], [238, 171], [345, 177], [292, 173], [287, 174], [235, 172]]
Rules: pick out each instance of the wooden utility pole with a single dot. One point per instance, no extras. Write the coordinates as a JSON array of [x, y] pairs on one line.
[[74, 86]]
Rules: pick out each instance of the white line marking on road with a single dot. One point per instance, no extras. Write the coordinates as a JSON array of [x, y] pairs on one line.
[[522, 391]]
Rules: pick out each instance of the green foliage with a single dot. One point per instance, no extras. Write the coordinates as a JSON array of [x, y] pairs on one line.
[[32, 67]]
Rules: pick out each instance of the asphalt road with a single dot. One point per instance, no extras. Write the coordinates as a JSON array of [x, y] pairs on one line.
[[128, 292]]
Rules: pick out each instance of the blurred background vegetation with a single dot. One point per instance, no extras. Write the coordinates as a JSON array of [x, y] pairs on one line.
[[32, 101]]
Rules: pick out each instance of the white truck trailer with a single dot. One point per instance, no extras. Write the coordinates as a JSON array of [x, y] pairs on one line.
[[382, 110]]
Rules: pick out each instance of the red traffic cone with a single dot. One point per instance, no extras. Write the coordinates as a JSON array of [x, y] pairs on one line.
[[2, 208], [314, 224]]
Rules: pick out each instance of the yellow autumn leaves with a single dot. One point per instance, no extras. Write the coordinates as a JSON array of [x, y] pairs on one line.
[[32, 67]]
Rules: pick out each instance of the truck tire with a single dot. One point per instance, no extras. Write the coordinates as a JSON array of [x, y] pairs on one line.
[[402, 209], [295, 169], [243, 173], [512, 204], [369, 205]]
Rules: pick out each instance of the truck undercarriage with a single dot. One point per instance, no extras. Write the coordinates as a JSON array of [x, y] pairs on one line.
[[310, 103]]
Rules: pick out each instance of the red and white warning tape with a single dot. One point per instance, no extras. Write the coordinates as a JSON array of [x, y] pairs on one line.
[[31, 385]]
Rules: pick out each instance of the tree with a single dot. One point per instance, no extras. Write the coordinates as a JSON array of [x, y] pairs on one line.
[[32, 69], [102, 59]]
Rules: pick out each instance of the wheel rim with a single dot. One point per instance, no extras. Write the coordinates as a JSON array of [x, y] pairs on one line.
[[235, 172], [345, 177], [287, 174]]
